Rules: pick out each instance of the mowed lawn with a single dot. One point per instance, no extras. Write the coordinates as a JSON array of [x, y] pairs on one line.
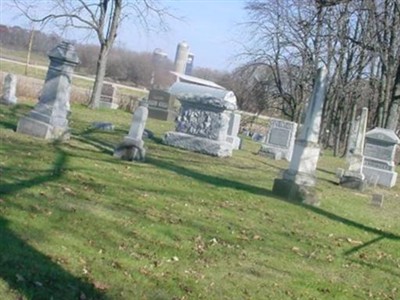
[[76, 223]]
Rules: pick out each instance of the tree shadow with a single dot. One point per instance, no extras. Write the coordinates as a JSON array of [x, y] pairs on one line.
[[26, 270]]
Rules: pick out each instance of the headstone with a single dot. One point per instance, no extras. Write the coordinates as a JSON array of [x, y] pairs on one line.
[[105, 126], [132, 148], [233, 130], [279, 142], [9, 88], [203, 123], [161, 105], [377, 200], [108, 98], [48, 119], [353, 177], [379, 153], [299, 179]]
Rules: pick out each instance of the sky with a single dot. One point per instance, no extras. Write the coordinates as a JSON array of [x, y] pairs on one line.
[[210, 27]]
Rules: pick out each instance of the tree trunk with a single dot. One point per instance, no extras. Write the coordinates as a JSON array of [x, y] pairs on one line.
[[100, 73], [393, 117]]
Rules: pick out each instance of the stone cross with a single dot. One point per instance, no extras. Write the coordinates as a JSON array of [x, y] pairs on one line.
[[48, 119], [9, 88], [132, 146], [300, 176], [353, 177]]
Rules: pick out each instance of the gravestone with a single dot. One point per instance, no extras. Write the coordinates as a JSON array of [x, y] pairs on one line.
[[9, 88], [379, 153], [161, 105], [132, 148], [353, 177], [280, 138], [48, 119], [203, 123], [299, 179], [377, 200], [108, 98], [104, 126], [233, 130]]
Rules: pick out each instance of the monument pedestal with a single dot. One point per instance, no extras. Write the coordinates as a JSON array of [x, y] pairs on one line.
[[295, 192], [36, 128], [198, 144]]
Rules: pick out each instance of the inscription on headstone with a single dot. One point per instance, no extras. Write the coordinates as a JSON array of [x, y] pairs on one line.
[[108, 98]]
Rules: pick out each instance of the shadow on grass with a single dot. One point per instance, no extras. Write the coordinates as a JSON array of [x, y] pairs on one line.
[[30, 272]]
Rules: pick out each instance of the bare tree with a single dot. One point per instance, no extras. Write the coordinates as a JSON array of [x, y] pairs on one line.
[[103, 17]]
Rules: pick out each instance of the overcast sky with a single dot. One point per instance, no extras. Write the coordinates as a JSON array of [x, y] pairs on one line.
[[209, 27]]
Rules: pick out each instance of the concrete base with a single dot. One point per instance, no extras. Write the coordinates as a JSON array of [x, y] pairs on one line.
[[294, 192], [130, 149], [275, 153], [162, 114], [353, 182], [110, 105], [198, 144], [300, 178], [385, 178], [32, 127], [234, 141]]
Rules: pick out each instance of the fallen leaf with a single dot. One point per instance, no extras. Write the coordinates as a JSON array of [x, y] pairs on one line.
[[100, 286], [20, 277]]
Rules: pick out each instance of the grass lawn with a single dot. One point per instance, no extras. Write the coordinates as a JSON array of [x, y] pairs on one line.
[[75, 223]]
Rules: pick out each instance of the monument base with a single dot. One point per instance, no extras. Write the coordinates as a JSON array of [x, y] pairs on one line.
[[234, 141], [111, 105], [162, 114], [198, 144], [385, 178], [294, 192], [32, 127], [274, 153], [353, 182], [300, 178]]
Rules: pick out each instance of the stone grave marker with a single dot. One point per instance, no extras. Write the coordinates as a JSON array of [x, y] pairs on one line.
[[299, 179], [280, 138], [377, 200], [9, 88], [379, 153], [48, 119], [233, 130], [132, 148], [108, 98], [161, 105], [203, 123]]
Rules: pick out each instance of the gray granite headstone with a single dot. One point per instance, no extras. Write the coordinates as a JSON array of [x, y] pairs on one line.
[[299, 179], [203, 123], [108, 97], [48, 119], [233, 130], [132, 146], [9, 88], [379, 153], [161, 105], [280, 139]]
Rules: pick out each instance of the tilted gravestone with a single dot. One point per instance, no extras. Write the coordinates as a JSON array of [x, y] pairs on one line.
[[353, 177], [161, 105], [108, 97], [202, 125], [280, 139], [9, 88], [48, 119], [299, 179], [379, 153], [233, 130], [132, 148]]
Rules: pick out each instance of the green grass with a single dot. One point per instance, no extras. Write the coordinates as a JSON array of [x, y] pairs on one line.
[[77, 223]]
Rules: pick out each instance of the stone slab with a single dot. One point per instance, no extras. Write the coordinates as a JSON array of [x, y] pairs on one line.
[[385, 178], [40, 129], [198, 144], [293, 192], [353, 182], [162, 114]]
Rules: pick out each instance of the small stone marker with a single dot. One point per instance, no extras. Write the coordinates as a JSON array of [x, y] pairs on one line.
[[105, 126], [233, 130], [108, 98], [9, 88], [279, 142], [299, 179], [379, 153], [202, 125], [48, 119], [377, 200], [132, 146]]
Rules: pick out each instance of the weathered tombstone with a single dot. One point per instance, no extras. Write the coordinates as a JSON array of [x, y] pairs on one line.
[[108, 98], [9, 88], [202, 125], [161, 105], [379, 152], [233, 130], [104, 126], [132, 146], [280, 138], [48, 119], [377, 200], [353, 177], [299, 179]]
